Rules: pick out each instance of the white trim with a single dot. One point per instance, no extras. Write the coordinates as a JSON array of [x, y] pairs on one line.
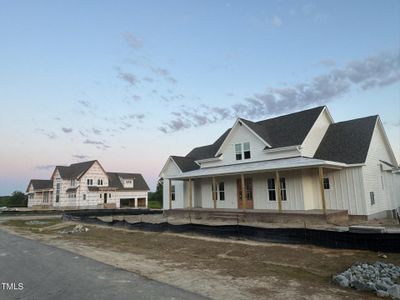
[[385, 137], [205, 160], [283, 149], [230, 133]]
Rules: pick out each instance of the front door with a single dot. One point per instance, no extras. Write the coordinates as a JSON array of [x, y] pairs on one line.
[[105, 198], [248, 182]]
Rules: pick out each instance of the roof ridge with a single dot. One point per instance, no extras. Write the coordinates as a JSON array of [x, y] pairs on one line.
[[290, 114], [356, 119]]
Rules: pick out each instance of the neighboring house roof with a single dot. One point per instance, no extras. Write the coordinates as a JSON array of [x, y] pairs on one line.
[[348, 141], [70, 190], [287, 130], [139, 182], [74, 171], [40, 184]]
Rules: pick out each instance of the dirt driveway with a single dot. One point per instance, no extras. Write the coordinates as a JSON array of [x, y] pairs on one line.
[[216, 268]]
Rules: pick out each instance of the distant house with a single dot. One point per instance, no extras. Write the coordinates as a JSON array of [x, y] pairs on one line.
[[88, 185], [302, 161]]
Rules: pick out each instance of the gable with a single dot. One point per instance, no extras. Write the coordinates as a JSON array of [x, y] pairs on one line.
[[238, 135], [380, 149], [316, 134], [170, 169]]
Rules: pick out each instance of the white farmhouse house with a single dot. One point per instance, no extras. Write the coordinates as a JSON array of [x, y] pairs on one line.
[[87, 185], [302, 161]]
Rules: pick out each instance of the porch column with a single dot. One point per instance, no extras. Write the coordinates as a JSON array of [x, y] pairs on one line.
[[136, 202], [170, 193], [321, 187], [190, 194], [244, 192], [278, 190], [214, 192]]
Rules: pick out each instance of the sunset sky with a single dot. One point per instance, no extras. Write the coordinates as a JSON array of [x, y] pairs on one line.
[[131, 82]]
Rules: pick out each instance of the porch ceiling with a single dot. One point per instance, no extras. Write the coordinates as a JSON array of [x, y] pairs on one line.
[[260, 166]]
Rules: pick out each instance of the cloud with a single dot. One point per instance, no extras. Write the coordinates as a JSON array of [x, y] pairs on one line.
[[84, 103], [128, 77], [171, 80], [372, 72], [99, 144], [160, 71], [67, 130], [136, 98], [329, 63], [96, 131], [148, 79], [276, 21], [51, 135], [139, 117], [45, 167], [133, 41], [80, 156]]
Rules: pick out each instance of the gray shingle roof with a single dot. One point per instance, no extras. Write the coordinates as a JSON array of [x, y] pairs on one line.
[[74, 170], [185, 163], [348, 141], [40, 184], [287, 130], [139, 182]]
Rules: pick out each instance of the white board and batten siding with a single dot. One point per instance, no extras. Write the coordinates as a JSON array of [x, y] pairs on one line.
[[95, 173], [346, 190], [375, 179], [171, 169]]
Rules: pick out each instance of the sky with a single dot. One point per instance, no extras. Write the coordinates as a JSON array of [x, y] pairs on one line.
[[130, 83]]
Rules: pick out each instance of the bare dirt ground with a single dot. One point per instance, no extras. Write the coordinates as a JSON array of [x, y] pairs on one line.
[[213, 267]]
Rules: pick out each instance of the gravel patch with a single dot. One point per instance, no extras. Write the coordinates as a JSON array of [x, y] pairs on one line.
[[379, 278]]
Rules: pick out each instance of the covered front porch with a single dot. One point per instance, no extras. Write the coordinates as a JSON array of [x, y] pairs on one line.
[[286, 185]]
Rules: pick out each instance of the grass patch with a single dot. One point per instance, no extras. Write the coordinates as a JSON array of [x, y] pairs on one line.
[[35, 224], [154, 204]]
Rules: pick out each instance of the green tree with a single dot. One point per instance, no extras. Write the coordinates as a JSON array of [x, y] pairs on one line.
[[156, 198], [18, 199]]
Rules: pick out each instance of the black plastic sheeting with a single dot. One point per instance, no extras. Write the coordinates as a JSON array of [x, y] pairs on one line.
[[382, 242]]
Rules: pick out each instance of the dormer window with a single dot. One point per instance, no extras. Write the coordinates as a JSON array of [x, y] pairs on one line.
[[89, 182], [238, 151], [246, 150], [72, 182], [99, 181], [242, 151]]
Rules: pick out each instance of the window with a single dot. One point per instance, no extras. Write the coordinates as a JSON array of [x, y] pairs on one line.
[[221, 191], [89, 182], [246, 150], [383, 185], [109, 195], [238, 151], [100, 195], [326, 183], [84, 196], [372, 197], [58, 187], [242, 151], [172, 192], [271, 189], [99, 181], [72, 182], [283, 189]]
